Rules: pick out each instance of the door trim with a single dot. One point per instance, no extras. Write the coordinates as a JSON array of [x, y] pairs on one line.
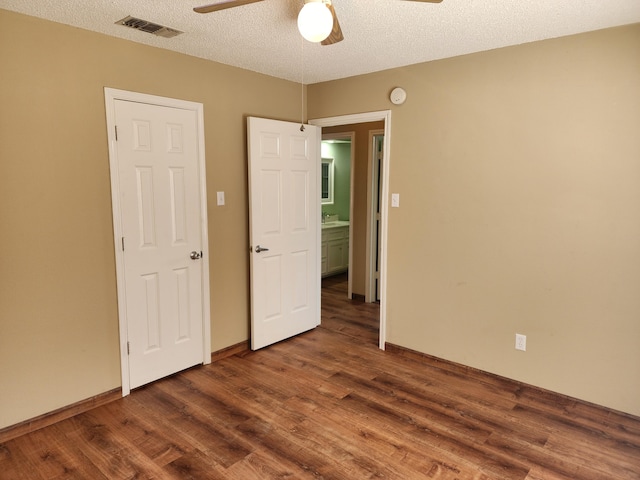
[[111, 95], [384, 115]]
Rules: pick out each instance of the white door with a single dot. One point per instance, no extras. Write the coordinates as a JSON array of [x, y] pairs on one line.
[[284, 204], [160, 214], [377, 166]]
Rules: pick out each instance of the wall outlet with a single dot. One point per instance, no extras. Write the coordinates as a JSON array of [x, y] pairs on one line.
[[395, 200], [220, 198], [521, 342]]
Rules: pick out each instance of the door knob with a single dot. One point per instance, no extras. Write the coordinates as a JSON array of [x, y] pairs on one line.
[[195, 255], [261, 249]]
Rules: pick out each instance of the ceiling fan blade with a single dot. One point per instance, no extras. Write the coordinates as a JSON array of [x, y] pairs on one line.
[[336, 32], [223, 5]]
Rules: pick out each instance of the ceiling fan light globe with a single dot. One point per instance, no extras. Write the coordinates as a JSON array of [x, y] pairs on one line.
[[315, 22]]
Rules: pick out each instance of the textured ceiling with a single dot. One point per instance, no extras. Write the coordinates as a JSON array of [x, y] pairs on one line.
[[379, 34]]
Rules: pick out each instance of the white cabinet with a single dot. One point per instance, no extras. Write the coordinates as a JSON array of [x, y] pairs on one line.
[[335, 250]]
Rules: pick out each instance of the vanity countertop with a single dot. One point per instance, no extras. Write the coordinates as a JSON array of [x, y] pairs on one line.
[[336, 224]]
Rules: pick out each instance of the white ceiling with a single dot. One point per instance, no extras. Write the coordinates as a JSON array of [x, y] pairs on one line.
[[379, 34]]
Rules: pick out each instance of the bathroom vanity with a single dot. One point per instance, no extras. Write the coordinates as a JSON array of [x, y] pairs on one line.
[[335, 247]]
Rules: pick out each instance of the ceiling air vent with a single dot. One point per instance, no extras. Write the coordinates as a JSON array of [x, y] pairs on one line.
[[149, 27]]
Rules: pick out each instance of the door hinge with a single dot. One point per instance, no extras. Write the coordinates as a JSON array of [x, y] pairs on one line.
[[116, 128], [123, 244], [128, 349]]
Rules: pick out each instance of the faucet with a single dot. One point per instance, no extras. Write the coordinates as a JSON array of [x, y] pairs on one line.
[[324, 216]]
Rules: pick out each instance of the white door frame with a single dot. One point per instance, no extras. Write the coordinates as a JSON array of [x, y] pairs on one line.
[[384, 115], [352, 137], [111, 95]]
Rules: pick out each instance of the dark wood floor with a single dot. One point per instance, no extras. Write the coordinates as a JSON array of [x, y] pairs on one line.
[[329, 404]]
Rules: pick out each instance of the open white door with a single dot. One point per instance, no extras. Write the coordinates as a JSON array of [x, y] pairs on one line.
[[284, 211], [374, 215]]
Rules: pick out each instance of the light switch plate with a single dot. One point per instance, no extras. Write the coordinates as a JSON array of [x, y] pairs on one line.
[[395, 200], [220, 197]]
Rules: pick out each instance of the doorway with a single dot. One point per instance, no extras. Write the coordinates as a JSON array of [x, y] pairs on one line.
[[346, 121], [337, 205]]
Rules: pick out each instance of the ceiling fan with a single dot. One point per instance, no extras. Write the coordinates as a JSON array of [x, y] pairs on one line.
[[332, 26]]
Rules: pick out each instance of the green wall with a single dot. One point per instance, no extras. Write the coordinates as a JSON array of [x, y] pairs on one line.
[[341, 154]]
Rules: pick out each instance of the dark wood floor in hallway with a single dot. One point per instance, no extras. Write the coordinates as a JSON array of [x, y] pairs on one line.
[[329, 404]]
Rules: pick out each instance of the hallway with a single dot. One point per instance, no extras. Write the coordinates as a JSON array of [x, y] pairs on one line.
[[349, 317]]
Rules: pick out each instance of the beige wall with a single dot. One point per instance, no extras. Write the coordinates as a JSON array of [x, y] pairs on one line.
[[360, 146], [58, 310], [519, 176]]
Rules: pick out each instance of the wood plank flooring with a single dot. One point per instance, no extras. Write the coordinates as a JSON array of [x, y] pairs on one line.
[[329, 405]]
